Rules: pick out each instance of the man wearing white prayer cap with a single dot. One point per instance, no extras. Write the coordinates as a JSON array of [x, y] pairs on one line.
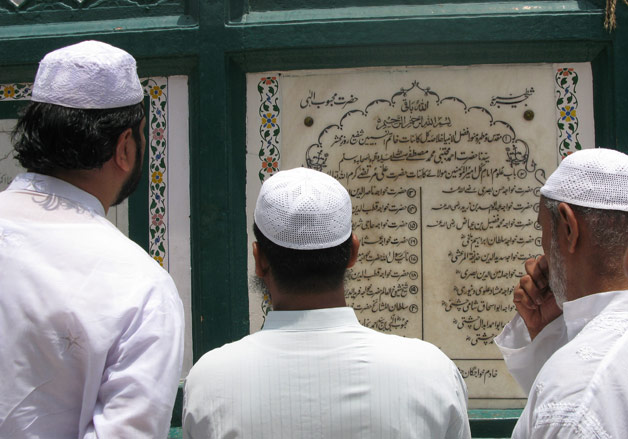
[[91, 326], [568, 345], [313, 371]]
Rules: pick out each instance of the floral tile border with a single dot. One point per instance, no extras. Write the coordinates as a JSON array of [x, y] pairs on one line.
[[157, 91], [566, 80], [15, 92], [269, 129], [269, 132]]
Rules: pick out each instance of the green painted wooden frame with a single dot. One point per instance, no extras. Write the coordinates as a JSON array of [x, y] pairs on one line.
[[216, 42]]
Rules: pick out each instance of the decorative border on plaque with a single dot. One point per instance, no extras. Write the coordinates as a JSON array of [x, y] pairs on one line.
[[15, 92], [157, 90], [516, 149], [566, 105], [269, 130]]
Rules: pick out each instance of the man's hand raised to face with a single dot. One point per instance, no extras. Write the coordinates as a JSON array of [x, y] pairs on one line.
[[533, 297]]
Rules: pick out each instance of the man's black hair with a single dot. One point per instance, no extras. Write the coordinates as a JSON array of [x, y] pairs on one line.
[[49, 137], [305, 270]]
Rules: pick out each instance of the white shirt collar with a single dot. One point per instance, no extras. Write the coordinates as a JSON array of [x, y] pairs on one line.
[[311, 319], [46, 184], [577, 313]]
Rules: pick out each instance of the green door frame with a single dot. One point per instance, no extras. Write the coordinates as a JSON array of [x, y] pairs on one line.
[[216, 42]]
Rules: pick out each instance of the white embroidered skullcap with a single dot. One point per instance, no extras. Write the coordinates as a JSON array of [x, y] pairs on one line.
[[88, 75], [596, 178], [304, 209]]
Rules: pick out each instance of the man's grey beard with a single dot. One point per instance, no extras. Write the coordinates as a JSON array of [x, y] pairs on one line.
[[557, 278]]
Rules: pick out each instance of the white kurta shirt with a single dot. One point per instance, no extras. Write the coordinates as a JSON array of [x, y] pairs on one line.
[[581, 390], [90, 326], [320, 374]]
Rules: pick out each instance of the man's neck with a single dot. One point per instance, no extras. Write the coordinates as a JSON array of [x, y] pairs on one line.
[[604, 285], [92, 181], [301, 301], [587, 280]]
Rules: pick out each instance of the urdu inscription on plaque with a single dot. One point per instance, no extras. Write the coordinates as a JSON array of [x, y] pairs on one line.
[[444, 167]]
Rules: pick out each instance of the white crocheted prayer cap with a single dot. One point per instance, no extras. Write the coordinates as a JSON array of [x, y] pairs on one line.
[[88, 75], [596, 178], [304, 209]]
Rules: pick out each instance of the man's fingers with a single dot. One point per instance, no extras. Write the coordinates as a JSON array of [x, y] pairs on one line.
[[543, 264], [537, 269], [531, 289], [521, 297]]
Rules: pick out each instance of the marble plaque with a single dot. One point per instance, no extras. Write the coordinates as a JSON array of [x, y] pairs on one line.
[[444, 167]]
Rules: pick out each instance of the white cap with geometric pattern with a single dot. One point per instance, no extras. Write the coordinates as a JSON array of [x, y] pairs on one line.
[[88, 75], [596, 178], [304, 209]]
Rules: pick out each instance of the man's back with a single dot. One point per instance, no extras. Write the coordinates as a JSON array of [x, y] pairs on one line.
[[320, 374], [581, 390], [88, 321]]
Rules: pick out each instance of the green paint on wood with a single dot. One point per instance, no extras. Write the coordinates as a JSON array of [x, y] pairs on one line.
[[36, 12], [217, 42], [493, 423], [11, 109], [263, 12]]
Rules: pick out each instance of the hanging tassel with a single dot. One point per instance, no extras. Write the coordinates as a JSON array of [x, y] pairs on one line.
[[610, 22]]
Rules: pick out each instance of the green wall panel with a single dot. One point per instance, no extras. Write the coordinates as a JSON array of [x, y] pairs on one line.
[[216, 42]]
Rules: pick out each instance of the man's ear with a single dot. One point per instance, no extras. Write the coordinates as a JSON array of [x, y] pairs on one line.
[[261, 263], [124, 154], [568, 225], [355, 246]]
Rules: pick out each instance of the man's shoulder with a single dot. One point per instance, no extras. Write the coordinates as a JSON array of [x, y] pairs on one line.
[[602, 337], [575, 355], [219, 360], [597, 353], [98, 244], [405, 346], [582, 387], [112, 244], [386, 351]]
